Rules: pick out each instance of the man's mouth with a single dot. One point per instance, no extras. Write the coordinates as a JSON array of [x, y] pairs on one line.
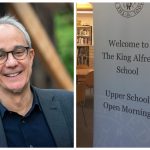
[[12, 74]]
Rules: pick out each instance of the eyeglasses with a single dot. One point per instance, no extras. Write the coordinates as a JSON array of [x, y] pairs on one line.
[[19, 53]]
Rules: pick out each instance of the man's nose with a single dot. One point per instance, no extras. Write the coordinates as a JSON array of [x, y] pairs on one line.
[[11, 61]]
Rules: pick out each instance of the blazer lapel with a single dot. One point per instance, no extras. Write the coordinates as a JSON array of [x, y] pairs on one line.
[[3, 142], [55, 118]]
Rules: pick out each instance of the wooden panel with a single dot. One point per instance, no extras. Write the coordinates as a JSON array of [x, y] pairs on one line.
[[80, 92]]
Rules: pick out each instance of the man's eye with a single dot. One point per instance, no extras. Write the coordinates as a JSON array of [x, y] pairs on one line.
[[19, 52], [2, 55]]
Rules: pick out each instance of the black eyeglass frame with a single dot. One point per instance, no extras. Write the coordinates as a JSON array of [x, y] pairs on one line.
[[26, 49]]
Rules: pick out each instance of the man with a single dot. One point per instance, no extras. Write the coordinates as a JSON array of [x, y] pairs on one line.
[[29, 117]]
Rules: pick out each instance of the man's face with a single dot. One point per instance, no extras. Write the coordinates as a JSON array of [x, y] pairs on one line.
[[14, 74]]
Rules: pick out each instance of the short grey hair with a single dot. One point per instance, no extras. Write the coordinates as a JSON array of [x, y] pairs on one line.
[[13, 21]]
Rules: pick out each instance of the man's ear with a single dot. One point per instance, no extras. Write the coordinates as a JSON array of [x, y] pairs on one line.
[[31, 54]]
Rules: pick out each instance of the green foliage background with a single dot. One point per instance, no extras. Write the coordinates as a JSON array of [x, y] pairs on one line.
[[64, 34]]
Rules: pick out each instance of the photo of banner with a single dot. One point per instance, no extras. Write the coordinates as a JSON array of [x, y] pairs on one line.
[[122, 75]]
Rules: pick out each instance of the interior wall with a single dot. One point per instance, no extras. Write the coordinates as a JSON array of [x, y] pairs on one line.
[[86, 18]]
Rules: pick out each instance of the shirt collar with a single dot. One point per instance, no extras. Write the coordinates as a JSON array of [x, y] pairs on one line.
[[34, 104], [35, 98], [2, 110]]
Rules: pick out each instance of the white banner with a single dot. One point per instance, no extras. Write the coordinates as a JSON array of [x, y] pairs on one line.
[[122, 75]]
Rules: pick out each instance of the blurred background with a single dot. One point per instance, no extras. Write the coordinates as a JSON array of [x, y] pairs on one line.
[[50, 26]]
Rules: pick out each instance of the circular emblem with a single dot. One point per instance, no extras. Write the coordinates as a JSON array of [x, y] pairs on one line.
[[129, 9]]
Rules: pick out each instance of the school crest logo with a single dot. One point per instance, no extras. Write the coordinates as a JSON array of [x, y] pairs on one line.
[[129, 9]]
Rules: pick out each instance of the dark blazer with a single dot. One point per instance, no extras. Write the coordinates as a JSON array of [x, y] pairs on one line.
[[57, 106]]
